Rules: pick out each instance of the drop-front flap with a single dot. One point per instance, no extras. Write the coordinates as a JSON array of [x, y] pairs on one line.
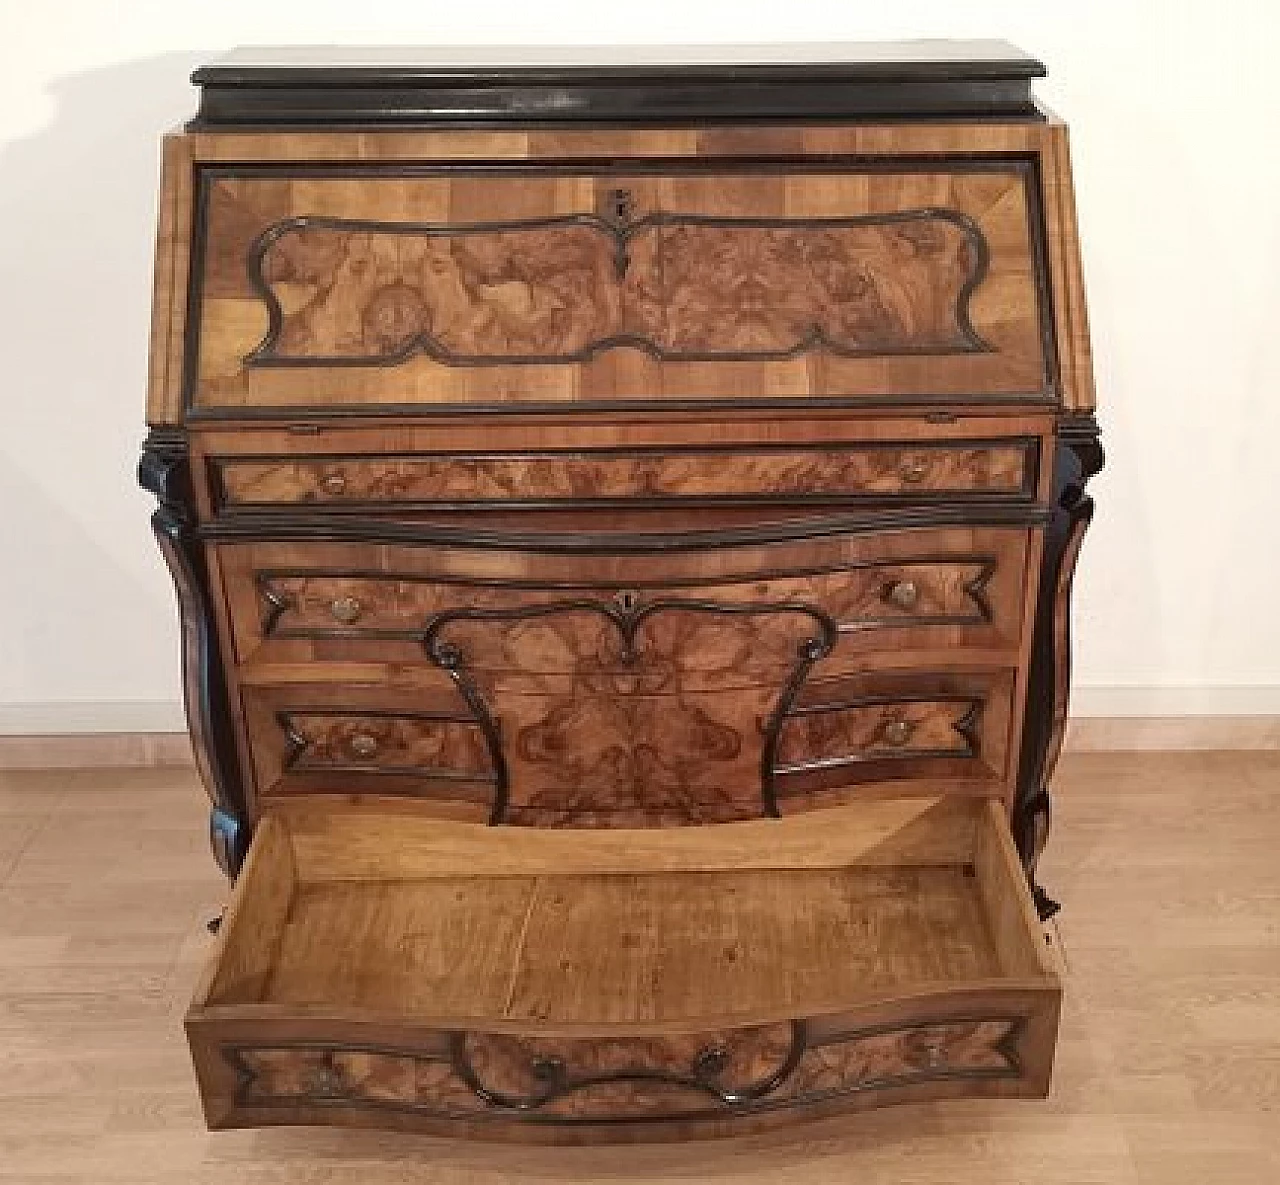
[[328, 288]]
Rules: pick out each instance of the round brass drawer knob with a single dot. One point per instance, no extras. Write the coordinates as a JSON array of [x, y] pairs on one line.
[[897, 732], [364, 746], [913, 471], [346, 610], [334, 484], [903, 593], [325, 1082]]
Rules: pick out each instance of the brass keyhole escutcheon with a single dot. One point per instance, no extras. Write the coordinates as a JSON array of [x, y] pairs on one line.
[[334, 484]]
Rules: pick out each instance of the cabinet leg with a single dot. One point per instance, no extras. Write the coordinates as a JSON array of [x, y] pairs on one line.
[[1078, 458], [165, 471]]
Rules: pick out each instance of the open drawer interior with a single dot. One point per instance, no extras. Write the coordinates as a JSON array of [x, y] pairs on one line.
[[384, 967]]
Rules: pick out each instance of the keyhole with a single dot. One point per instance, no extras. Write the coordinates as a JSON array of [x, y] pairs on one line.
[[626, 599], [622, 205]]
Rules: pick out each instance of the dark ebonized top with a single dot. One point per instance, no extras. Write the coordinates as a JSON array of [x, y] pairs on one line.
[[616, 85]]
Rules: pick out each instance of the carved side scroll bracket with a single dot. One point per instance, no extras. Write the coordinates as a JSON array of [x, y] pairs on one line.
[[1079, 458], [164, 470]]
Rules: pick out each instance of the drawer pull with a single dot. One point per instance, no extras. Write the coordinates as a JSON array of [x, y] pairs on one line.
[[326, 1083], [334, 484], [902, 593], [896, 732], [346, 610], [912, 471], [364, 746]]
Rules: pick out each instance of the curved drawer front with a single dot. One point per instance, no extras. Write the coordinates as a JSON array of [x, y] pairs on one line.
[[721, 1074], [604, 750], [423, 744], [705, 282], [363, 604], [830, 473], [846, 735]]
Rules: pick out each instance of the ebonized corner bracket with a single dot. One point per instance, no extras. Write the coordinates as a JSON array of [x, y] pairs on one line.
[[1079, 458], [165, 471]]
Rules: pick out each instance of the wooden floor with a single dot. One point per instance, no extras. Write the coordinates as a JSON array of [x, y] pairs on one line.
[[1168, 1070]]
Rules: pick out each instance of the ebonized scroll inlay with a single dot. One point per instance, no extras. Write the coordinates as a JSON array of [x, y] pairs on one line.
[[737, 1071]]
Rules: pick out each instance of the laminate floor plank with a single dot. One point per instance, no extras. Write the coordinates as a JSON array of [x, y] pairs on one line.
[[1168, 1070]]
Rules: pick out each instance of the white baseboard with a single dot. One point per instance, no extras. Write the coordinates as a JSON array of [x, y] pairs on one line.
[[1253, 700], [72, 717], [76, 717], [1103, 719]]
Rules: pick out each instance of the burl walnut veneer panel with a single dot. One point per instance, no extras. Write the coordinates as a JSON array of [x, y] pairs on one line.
[[340, 290], [829, 473]]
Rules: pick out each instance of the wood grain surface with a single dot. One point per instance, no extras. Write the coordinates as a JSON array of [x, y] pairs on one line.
[[695, 1076], [457, 289], [819, 473], [722, 991], [750, 435], [1045, 141], [618, 746], [377, 292], [927, 275], [703, 944], [353, 603]]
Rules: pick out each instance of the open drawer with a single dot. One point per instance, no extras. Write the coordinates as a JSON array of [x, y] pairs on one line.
[[377, 968]]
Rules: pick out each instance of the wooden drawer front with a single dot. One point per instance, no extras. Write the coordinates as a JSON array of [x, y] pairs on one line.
[[696, 1075], [607, 749], [849, 734], [879, 730], [448, 286], [339, 739], [831, 473], [364, 605], [419, 744]]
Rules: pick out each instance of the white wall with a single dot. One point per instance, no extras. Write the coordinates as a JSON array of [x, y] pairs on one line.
[[1178, 182]]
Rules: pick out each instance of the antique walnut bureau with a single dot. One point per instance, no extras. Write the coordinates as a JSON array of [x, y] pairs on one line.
[[623, 517]]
